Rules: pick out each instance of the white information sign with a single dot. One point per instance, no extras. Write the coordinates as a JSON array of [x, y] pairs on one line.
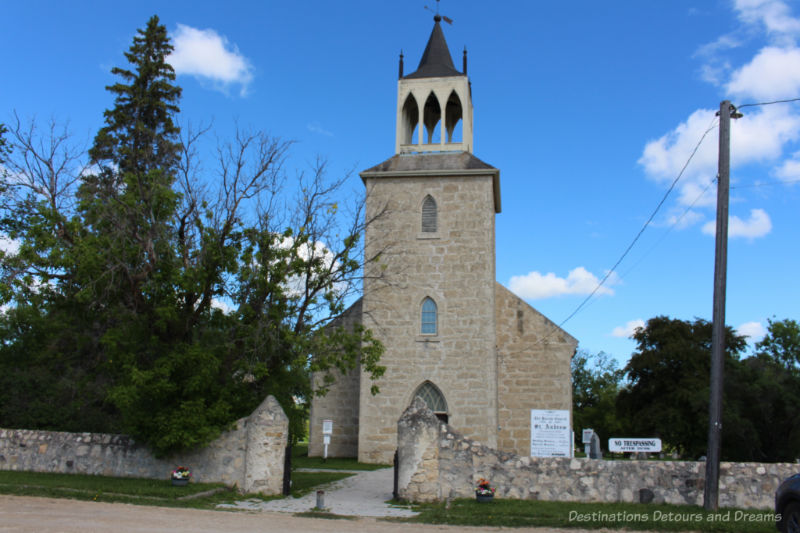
[[634, 445], [586, 436], [551, 435], [327, 429]]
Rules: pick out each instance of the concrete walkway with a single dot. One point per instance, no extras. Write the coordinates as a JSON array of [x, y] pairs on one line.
[[364, 494]]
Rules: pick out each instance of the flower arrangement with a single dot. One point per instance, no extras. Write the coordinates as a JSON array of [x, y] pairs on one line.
[[484, 488], [181, 473]]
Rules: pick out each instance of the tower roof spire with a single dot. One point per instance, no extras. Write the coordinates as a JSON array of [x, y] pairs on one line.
[[436, 59]]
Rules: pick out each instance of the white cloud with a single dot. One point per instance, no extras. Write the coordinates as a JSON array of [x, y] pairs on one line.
[[754, 330], [758, 225], [759, 136], [209, 56], [775, 16], [628, 329], [316, 127], [223, 305], [295, 285], [536, 286], [665, 157], [774, 73], [789, 171], [9, 246]]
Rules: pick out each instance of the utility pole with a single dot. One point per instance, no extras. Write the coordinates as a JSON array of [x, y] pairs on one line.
[[711, 490]]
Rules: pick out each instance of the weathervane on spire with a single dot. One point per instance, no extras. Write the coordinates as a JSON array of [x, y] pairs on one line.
[[437, 17]]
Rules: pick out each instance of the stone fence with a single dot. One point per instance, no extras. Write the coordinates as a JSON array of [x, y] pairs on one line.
[[436, 463], [250, 456]]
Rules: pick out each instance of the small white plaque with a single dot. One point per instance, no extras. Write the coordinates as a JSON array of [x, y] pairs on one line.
[[327, 427], [326, 439]]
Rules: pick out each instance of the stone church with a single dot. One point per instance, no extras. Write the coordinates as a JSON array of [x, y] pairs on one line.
[[479, 356]]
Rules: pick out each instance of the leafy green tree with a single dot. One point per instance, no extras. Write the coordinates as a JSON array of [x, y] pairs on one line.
[[782, 344], [668, 391], [4, 148], [596, 381], [123, 274], [763, 412]]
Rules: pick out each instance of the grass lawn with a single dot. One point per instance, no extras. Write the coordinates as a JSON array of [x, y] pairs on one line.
[[300, 459], [111, 489], [144, 491], [630, 516]]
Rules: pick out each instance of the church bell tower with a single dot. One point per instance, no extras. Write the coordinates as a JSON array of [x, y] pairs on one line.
[[430, 296], [436, 95], [479, 356]]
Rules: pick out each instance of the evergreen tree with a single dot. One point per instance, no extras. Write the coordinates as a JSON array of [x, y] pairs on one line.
[[129, 206]]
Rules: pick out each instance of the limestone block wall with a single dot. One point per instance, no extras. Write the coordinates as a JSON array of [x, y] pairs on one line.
[[250, 456], [437, 462], [340, 404], [454, 266], [533, 367]]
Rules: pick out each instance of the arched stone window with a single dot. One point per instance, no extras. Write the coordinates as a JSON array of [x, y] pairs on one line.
[[428, 324], [429, 216], [434, 399]]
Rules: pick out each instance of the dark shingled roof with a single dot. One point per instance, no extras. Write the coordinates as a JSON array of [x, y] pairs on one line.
[[436, 60], [434, 162]]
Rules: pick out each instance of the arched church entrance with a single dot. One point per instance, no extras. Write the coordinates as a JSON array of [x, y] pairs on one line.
[[434, 399]]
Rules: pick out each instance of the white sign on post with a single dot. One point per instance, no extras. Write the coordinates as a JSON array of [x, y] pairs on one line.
[[634, 445], [327, 430], [551, 435]]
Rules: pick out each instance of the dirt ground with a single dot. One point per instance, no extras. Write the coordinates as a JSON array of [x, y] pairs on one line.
[[25, 514]]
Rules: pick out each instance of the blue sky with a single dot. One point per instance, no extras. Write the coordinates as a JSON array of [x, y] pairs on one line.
[[588, 109]]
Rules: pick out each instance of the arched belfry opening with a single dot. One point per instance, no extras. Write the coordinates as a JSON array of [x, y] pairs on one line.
[[434, 399], [410, 120], [454, 115], [432, 118]]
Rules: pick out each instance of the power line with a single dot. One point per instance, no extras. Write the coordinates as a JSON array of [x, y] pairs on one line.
[[671, 227], [769, 103], [644, 227]]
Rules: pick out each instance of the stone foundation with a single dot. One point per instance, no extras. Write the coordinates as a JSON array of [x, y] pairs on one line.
[[250, 456], [436, 463]]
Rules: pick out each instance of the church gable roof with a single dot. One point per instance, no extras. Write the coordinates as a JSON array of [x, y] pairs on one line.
[[554, 333], [349, 317], [436, 60]]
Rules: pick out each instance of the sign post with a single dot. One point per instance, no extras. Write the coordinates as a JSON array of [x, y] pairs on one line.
[[586, 440], [327, 430]]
